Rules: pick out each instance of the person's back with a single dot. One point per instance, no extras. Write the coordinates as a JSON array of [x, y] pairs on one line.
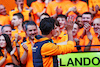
[[46, 54]]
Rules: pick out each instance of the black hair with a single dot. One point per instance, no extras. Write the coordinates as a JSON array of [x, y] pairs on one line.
[[44, 14], [78, 16], [62, 16], [88, 13], [46, 25], [19, 15], [8, 44], [57, 23], [30, 23], [25, 22], [5, 26]]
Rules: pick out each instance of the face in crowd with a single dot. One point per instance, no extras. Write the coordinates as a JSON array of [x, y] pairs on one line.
[[2, 10], [31, 31], [75, 29]]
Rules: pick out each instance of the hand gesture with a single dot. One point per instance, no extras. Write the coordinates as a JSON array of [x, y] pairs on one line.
[[5, 53], [25, 47], [13, 51], [58, 10], [87, 27], [17, 37], [69, 24], [96, 8], [30, 9], [89, 36]]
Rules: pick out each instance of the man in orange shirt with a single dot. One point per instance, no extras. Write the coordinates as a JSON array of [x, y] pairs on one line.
[[80, 25], [62, 20], [20, 8], [57, 7], [26, 47], [44, 50], [77, 7], [4, 18], [94, 8], [39, 7], [94, 38]]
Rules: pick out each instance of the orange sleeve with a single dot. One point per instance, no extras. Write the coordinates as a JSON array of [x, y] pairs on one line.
[[49, 8], [52, 49], [90, 3], [21, 51]]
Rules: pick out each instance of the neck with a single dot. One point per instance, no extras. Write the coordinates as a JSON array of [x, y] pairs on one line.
[[20, 27], [48, 36]]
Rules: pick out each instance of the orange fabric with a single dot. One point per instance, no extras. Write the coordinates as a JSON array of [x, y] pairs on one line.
[[4, 20], [8, 4], [20, 33], [81, 8], [80, 32], [25, 13], [93, 3], [61, 38], [29, 57], [8, 59], [52, 6], [37, 8], [50, 49]]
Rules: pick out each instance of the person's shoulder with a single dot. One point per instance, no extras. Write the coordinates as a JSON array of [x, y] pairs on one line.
[[82, 2]]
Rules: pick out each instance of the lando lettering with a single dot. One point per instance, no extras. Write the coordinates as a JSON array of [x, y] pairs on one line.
[[86, 61]]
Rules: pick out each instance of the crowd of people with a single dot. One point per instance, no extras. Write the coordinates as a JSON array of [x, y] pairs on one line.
[[34, 36]]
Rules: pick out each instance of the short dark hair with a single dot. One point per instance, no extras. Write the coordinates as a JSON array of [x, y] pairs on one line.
[[30, 23], [57, 23], [44, 14], [62, 16], [19, 15], [78, 16], [5, 26], [88, 13], [46, 25]]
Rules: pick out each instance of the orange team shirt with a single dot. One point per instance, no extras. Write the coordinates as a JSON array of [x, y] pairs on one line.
[[8, 4], [29, 62], [52, 6], [95, 41], [21, 34], [37, 8], [4, 20], [8, 59], [80, 32], [81, 8], [92, 4], [25, 13], [50, 49], [61, 38]]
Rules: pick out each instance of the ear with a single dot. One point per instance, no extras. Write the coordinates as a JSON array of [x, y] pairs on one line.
[[20, 20]]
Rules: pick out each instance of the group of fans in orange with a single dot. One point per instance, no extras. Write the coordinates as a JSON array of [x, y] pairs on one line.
[[34, 36]]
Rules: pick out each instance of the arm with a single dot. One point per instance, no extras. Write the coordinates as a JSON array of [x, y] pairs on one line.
[[25, 54], [4, 58], [50, 49], [13, 57]]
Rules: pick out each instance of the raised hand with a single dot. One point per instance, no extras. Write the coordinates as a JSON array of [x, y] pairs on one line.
[[58, 10], [13, 51], [17, 37], [5, 53], [70, 22], [25, 47], [87, 27], [97, 8]]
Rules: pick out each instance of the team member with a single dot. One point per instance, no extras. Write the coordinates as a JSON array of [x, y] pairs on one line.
[[44, 50], [4, 18], [26, 47]]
